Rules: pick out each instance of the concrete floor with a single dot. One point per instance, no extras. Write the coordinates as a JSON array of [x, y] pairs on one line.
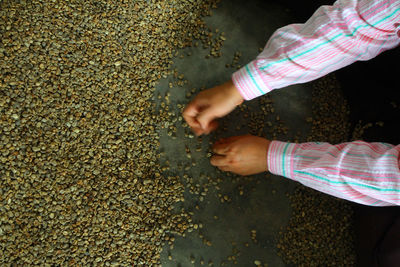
[[264, 206]]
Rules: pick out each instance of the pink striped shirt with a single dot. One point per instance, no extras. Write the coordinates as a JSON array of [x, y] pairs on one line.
[[334, 37]]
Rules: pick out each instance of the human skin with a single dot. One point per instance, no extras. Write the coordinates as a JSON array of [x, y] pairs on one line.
[[243, 155], [201, 113]]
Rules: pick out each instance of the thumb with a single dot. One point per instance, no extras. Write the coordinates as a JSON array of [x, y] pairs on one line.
[[205, 117]]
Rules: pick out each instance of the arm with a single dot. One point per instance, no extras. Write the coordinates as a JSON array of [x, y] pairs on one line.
[[367, 173], [334, 37]]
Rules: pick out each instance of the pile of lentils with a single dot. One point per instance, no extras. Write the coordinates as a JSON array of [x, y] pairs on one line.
[[320, 231], [79, 178]]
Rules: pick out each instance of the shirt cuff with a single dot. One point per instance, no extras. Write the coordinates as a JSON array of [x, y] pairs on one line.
[[280, 158], [249, 81]]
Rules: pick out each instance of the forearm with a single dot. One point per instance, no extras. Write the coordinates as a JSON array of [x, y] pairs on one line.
[[366, 173], [334, 37]]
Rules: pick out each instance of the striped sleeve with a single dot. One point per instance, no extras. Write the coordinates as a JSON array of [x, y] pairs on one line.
[[334, 37], [366, 173]]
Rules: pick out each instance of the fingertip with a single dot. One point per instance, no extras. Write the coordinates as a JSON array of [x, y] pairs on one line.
[[218, 160], [203, 125], [214, 161], [212, 126], [221, 149], [190, 110], [197, 131], [224, 168]]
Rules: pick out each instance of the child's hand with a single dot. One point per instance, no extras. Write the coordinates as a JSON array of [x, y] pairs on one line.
[[208, 105], [244, 155]]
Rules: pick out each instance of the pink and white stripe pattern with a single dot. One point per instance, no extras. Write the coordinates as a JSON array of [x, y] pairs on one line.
[[367, 173], [334, 37]]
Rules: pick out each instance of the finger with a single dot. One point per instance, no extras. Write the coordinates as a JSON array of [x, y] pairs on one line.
[[221, 141], [198, 131], [212, 127], [224, 168], [227, 140], [193, 123], [190, 113], [232, 139], [220, 148], [218, 160], [205, 117]]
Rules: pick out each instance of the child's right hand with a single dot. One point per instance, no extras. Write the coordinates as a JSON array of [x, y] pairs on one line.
[[201, 113]]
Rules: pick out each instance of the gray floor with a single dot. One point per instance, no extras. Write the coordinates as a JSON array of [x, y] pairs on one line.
[[264, 205]]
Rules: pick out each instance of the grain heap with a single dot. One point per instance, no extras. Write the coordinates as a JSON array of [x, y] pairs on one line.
[[79, 181], [320, 230]]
